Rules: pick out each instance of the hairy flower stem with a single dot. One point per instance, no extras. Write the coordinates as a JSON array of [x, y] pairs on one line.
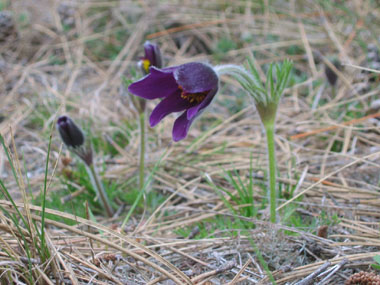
[[142, 150], [269, 129], [266, 96], [98, 186]]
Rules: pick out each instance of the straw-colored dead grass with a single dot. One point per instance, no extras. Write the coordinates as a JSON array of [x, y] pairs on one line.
[[48, 69]]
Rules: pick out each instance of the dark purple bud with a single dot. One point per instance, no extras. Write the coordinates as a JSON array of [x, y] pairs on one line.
[[152, 57], [331, 76], [73, 138], [70, 133]]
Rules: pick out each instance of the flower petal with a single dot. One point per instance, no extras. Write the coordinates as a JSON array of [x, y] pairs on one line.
[[195, 77], [193, 111], [158, 83], [181, 127], [172, 103]]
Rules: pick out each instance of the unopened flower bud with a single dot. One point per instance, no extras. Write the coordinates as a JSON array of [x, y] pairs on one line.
[[70, 133], [331, 76], [73, 138], [152, 57]]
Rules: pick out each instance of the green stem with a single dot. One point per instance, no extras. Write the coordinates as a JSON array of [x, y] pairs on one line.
[[269, 129], [98, 186], [142, 150]]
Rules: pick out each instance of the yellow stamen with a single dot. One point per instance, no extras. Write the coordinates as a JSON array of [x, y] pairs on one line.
[[193, 97], [199, 97], [146, 64]]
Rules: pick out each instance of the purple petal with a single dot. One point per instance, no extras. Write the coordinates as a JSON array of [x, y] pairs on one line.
[[181, 127], [193, 111], [158, 83], [172, 103], [195, 77]]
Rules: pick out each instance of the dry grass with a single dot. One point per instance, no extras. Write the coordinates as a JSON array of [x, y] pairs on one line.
[[326, 151]]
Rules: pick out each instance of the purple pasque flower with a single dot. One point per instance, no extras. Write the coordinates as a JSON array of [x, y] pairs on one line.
[[152, 57], [188, 87]]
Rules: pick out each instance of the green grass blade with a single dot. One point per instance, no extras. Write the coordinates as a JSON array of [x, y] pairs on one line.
[[42, 234], [9, 159], [219, 193], [142, 191]]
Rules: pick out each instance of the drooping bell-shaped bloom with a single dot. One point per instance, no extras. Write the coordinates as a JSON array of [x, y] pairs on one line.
[[152, 57], [188, 87], [73, 138]]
